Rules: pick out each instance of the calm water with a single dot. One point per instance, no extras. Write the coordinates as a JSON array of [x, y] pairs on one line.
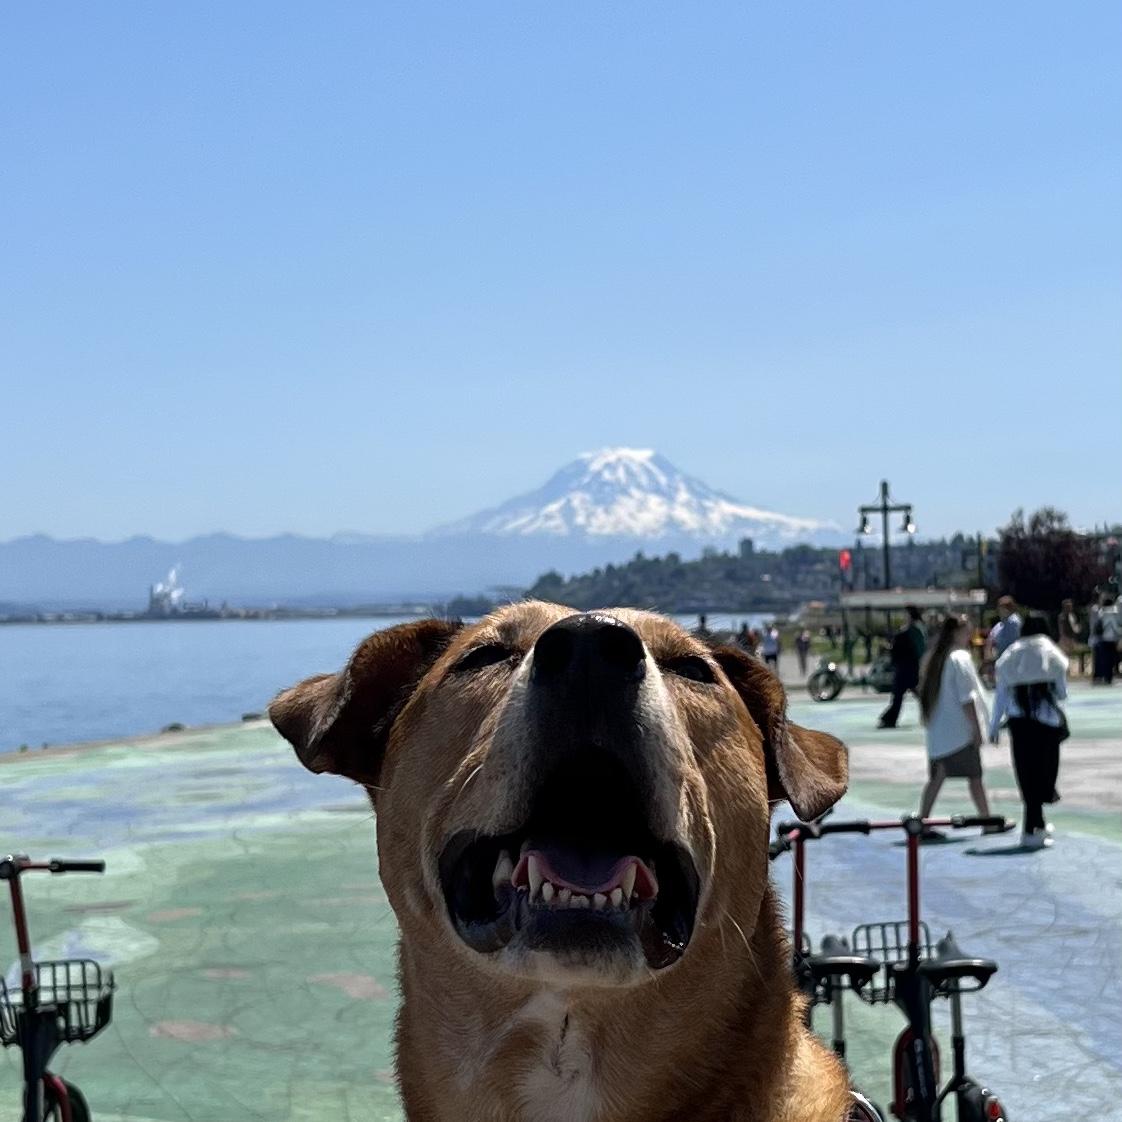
[[64, 683]]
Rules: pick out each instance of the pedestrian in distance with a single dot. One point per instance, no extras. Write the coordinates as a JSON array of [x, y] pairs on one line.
[[771, 647], [1106, 630], [1031, 683], [908, 645], [1007, 630], [1069, 628], [954, 717], [802, 649]]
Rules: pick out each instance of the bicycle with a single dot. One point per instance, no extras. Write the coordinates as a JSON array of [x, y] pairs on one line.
[[915, 974], [60, 1002]]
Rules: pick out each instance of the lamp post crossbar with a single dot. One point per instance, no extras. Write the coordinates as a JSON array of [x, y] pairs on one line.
[[884, 508]]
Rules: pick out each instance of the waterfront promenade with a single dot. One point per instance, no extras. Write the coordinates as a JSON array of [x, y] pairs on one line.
[[254, 946]]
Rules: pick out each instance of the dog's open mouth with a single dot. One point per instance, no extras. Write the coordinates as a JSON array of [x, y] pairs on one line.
[[584, 876]]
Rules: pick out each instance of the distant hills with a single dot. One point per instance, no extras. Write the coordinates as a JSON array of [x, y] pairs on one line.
[[601, 508]]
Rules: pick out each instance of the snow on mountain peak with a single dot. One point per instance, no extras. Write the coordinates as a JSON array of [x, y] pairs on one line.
[[633, 493]]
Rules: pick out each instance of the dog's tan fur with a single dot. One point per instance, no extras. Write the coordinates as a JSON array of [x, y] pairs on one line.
[[718, 1035]]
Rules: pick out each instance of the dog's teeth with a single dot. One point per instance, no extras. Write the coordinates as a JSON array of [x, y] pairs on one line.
[[581, 902], [547, 891], [504, 870], [628, 881], [533, 871], [564, 895], [599, 900], [616, 897]]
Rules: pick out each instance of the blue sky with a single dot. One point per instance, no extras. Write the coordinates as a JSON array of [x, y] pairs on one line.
[[270, 266]]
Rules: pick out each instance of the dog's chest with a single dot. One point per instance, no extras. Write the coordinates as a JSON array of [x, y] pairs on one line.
[[560, 1084]]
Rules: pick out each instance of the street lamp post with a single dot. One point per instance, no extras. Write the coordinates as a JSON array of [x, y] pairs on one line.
[[884, 508]]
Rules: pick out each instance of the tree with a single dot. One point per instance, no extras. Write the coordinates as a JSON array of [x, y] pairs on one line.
[[549, 586], [1043, 561]]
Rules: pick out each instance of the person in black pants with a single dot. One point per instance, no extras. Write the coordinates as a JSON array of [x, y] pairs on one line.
[[1036, 762], [908, 645], [1031, 683]]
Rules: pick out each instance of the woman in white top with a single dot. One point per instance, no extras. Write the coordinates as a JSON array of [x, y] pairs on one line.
[[954, 713], [1031, 683]]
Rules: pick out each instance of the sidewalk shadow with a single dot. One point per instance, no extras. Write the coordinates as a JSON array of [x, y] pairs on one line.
[[934, 843]]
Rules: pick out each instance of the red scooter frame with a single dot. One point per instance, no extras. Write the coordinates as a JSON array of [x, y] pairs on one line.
[[911, 980], [78, 1004]]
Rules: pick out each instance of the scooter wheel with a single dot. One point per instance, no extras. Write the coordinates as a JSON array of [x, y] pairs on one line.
[[823, 685], [977, 1104], [79, 1109]]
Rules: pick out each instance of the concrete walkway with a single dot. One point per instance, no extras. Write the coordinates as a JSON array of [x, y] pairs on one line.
[[254, 946]]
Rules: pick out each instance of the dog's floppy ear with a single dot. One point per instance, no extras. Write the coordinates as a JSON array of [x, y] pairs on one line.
[[340, 722], [809, 769]]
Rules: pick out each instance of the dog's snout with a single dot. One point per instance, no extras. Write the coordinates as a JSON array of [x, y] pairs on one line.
[[589, 647]]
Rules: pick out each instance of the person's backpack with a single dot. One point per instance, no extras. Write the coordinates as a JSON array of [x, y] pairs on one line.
[[1031, 695]]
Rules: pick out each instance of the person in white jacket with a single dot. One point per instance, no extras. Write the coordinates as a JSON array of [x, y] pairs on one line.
[[1031, 683]]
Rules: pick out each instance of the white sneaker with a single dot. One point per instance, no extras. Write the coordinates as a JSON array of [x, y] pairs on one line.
[[1034, 840], [1049, 829]]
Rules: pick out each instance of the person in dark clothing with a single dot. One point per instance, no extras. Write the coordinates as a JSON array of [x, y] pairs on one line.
[[908, 645], [1031, 683]]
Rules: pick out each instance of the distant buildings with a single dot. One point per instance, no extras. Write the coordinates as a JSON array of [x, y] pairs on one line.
[[167, 599]]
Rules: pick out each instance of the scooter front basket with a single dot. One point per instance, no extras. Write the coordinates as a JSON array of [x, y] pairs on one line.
[[888, 944], [79, 990]]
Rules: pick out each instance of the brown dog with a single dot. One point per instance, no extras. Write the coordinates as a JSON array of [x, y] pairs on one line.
[[573, 815]]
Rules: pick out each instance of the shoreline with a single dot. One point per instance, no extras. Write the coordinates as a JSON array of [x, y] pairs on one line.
[[164, 738], [239, 615]]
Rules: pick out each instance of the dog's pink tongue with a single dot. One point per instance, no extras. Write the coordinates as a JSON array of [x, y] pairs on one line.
[[587, 873]]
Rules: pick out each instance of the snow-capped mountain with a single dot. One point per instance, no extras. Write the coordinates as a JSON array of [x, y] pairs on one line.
[[598, 510], [634, 493]]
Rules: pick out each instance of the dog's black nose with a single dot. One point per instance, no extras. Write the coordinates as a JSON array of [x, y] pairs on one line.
[[590, 647]]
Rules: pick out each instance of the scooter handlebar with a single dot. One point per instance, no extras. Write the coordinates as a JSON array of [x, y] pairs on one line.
[[807, 831], [817, 829], [57, 866], [960, 821]]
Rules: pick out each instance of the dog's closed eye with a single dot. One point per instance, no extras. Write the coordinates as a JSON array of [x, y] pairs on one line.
[[691, 667], [479, 657]]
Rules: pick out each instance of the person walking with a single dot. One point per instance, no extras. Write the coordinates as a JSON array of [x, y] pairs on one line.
[[1069, 628], [802, 648], [908, 645], [1106, 630], [1007, 630], [954, 716], [771, 647], [1031, 683]]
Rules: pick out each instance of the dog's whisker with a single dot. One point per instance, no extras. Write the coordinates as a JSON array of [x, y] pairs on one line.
[[747, 947], [470, 776]]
